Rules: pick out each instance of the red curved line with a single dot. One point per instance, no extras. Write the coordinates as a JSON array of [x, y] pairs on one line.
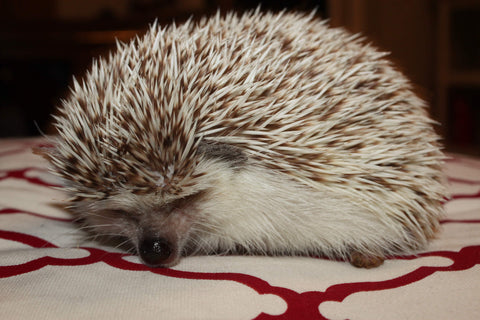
[[21, 174], [465, 259], [116, 260], [29, 240], [465, 196], [464, 181], [460, 221], [259, 285], [299, 305], [94, 256], [305, 305], [37, 264]]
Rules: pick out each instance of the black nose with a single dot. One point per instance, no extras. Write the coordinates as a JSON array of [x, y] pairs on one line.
[[155, 251]]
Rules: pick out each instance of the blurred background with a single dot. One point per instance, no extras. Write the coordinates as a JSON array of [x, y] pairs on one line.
[[44, 42]]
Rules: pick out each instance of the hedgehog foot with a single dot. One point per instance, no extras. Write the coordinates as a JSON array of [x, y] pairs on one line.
[[361, 260]]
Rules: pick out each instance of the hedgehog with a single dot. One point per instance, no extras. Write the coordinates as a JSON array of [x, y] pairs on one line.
[[258, 133]]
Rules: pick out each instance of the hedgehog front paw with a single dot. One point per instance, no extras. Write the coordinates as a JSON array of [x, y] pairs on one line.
[[361, 260]]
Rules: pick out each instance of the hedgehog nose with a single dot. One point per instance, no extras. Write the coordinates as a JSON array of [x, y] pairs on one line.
[[155, 252]]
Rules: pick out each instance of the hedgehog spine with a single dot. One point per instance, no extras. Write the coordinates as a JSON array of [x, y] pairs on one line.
[[178, 120]]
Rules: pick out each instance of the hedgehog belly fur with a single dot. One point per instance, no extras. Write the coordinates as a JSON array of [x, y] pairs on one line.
[[269, 213]]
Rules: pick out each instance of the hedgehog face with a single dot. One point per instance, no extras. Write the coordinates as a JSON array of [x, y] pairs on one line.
[[160, 224], [158, 227]]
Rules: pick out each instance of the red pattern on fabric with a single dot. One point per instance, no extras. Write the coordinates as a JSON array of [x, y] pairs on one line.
[[22, 174], [300, 305]]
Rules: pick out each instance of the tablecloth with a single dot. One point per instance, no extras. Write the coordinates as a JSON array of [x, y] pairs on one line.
[[49, 270]]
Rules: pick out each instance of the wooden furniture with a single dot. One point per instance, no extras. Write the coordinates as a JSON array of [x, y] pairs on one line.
[[458, 77], [437, 44]]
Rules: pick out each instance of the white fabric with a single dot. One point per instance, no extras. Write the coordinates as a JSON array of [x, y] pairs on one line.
[[49, 271]]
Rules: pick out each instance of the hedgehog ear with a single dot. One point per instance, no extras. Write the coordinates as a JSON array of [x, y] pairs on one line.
[[233, 155]]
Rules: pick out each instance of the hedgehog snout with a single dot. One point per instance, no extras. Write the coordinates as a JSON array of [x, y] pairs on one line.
[[156, 251]]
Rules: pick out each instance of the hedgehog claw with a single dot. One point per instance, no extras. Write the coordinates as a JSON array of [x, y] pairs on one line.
[[360, 260]]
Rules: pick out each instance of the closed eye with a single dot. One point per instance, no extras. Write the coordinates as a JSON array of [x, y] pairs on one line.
[[182, 202]]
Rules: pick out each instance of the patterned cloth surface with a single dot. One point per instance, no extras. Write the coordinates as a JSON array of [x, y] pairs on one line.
[[48, 270]]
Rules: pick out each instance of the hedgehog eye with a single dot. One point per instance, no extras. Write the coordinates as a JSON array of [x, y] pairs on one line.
[[169, 207], [222, 151], [180, 203]]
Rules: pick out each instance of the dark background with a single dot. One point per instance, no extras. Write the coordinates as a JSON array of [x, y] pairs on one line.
[[43, 43]]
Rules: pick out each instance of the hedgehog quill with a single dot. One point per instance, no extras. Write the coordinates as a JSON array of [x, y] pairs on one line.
[[261, 133]]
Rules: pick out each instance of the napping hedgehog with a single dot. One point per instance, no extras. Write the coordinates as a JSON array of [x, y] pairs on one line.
[[259, 133]]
